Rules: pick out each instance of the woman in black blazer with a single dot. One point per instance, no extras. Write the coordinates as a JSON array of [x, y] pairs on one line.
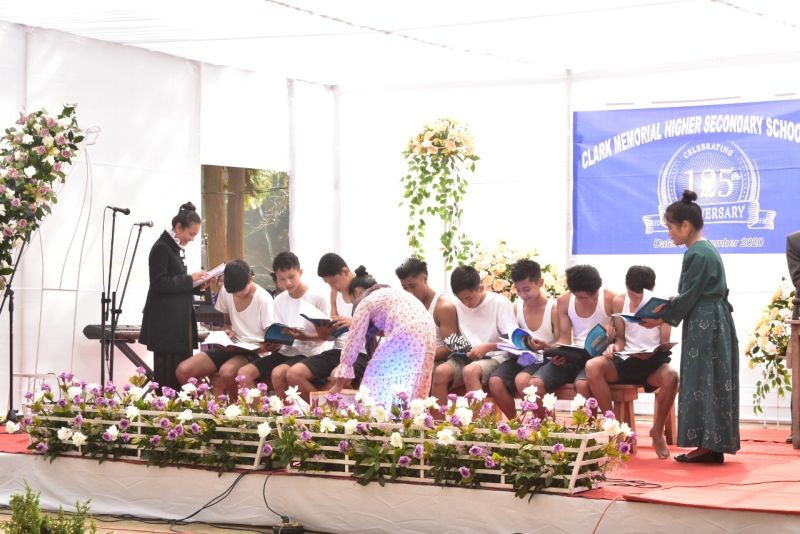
[[169, 327]]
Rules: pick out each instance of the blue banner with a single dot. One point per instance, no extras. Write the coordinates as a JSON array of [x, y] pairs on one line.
[[742, 160]]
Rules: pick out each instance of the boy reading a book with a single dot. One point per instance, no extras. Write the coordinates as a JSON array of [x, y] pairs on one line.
[[296, 298], [585, 305], [248, 310], [648, 369], [313, 373], [483, 318], [413, 276], [536, 313]]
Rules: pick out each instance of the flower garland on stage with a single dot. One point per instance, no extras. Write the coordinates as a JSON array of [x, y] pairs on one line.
[[461, 444], [34, 153], [767, 347]]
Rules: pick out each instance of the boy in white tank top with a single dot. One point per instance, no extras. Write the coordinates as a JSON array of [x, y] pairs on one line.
[[585, 305], [413, 276], [652, 371], [535, 313]]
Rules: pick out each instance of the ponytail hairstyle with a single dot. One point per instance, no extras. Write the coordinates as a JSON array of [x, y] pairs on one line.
[[187, 216], [363, 280], [685, 209]]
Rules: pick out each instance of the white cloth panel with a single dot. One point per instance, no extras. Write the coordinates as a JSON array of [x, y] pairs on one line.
[[146, 158], [244, 119]]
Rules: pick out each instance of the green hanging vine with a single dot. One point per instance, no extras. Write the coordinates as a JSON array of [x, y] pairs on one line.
[[438, 159]]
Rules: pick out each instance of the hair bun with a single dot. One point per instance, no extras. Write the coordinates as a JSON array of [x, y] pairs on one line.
[[187, 207], [361, 271], [689, 196]]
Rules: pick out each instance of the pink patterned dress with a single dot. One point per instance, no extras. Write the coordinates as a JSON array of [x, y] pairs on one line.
[[404, 359]]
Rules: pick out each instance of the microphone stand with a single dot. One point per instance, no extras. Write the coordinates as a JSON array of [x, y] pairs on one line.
[[117, 307], [9, 295], [108, 302]]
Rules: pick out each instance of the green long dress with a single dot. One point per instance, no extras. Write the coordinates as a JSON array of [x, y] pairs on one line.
[[708, 405]]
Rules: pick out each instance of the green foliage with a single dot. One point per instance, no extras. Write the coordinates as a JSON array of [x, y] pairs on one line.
[[438, 160], [27, 517]]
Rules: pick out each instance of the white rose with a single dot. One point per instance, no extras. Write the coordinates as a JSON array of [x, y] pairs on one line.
[[461, 402], [232, 412], [396, 440], [253, 394], [136, 393], [431, 402], [18, 242], [47, 141], [185, 415], [74, 391], [419, 419], [350, 426], [38, 395], [611, 427], [530, 393], [113, 431], [2, 209], [79, 439], [445, 437], [326, 425], [275, 403], [549, 401], [64, 122], [30, 171], [264, 430], [464, 415], [769, 348], [64, 433], [625, 430], [189, 388], [183, 396], [577, 403], [131, 412], [11, 427], [417, 406], [479, 395], [27, 139], [362, 394], [379, 413]]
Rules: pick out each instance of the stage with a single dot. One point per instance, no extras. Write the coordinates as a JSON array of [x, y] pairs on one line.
[[757, 490]]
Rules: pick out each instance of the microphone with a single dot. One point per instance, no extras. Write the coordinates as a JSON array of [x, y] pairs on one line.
[[124, 211], [149, 224]]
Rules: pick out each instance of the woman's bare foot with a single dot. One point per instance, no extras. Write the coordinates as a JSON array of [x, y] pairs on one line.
[[659, 444]]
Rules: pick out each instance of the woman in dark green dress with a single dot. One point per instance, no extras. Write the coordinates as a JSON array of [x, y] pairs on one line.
[[708, 406]]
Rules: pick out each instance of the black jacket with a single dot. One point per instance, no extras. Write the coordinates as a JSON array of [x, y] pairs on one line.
[[168, 321]]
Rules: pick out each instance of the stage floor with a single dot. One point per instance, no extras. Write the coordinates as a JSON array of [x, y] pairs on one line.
[[758, 486]]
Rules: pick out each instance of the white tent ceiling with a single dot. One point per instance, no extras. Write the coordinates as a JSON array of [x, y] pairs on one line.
[[348, 42]]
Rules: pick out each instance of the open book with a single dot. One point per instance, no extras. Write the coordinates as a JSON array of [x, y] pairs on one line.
[[218, 337], [515, 344], [213, 273], [595, 343], [279, 333], [324, 321], [647, 353], [652, 309]]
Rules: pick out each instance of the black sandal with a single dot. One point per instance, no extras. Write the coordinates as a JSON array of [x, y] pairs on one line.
[[708, 457]]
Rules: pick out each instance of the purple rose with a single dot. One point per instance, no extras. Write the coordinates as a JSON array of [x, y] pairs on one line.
[[476, 451], [536, 424], [192, 380], [558, 447], [262, 387], [591, 403], [362, 428], [429, 423], [164, 423], [195, 428], [179, 430], [112, 403], [107, 436], [344, 446], [158, 403], [624, 447], [78, 420], [266, 450], [155, 440], [62, 403], [489, 462], [140, 371], [41, 447], [464, 472], [405, 415], [66, 377], [523, 433], [172, 435], [240, 379], [29, 395], [486, 409], [100, 401], [153, 386], [203, 387], [610, 415], [404, 461], [503, 428], [527, 406], [124, 424], [126, 388], [125, 437], [317, 412], [418, 451], [455, 420], [452, 397], [403, 396], [305, 435], [223, 399], [168, 392]]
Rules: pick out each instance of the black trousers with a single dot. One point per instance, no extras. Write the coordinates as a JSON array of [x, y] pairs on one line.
[[164, 366]]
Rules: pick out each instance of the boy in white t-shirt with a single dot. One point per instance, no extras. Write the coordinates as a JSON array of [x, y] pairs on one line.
[[248, 310], [483, 318], [296, 298]]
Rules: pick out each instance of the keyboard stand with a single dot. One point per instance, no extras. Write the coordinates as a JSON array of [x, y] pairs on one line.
[[124, 348]]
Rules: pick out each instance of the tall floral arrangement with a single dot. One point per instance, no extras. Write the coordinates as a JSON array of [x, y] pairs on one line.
[[494, 266], [767, 346], [438, 158], [34, 154]]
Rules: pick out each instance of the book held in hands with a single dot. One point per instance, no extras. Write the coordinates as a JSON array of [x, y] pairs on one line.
[[652, 309], [218, 337], [595, 343], [662, 349], [279, 333], [516, 345], [210, 275], [325, 322]]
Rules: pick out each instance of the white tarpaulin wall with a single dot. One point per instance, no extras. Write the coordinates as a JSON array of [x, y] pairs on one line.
[[161, 117]]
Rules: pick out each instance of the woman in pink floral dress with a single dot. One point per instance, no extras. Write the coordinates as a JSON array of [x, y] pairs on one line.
[[403, 360]]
